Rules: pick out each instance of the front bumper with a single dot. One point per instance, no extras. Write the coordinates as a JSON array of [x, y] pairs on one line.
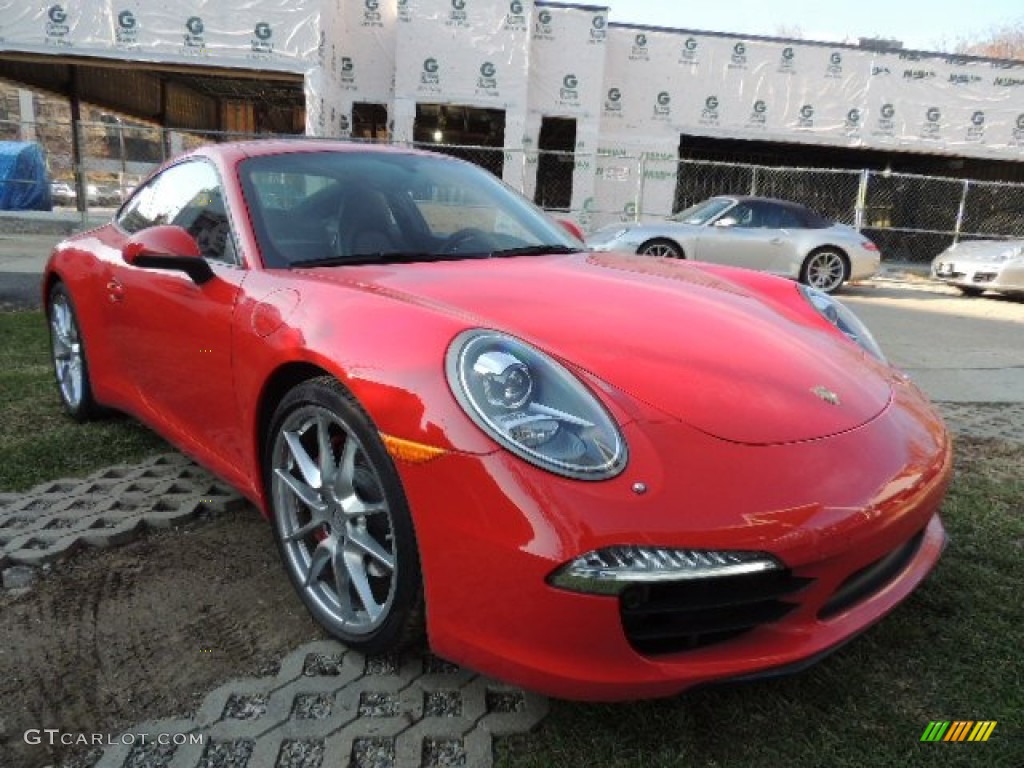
[[981, 276], [491, 530]]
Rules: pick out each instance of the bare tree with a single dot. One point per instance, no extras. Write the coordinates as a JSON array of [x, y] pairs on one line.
[[1005, 41], [791, 31]]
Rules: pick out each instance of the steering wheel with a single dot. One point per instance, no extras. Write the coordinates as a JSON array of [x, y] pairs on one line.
[[463, 237]]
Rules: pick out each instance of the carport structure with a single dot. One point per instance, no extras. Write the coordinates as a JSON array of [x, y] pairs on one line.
[[184, 97], [198, 66]]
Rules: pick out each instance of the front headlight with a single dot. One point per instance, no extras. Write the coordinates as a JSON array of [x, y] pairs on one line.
[[1013, 252], [533, 406], [844, 319]]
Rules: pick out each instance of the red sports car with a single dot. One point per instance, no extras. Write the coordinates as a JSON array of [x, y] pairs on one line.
[[600, 476]]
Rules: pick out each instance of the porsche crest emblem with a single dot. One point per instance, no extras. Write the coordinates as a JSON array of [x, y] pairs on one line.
[[826, 394]]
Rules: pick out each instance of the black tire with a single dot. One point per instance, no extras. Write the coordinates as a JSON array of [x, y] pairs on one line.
[[967, 290], [69, 358], [825, 269], [662, 248], [356, 521]]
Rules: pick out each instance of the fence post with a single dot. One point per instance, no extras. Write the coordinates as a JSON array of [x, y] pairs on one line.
[[753, 180], [960, 212], [640, 182], [860, 205]]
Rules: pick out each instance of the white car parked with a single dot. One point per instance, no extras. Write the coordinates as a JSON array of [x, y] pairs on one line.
[[761, 233], [976, 266]]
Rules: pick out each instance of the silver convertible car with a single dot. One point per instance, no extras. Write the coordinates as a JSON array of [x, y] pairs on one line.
[[976, 266], [761, 233]]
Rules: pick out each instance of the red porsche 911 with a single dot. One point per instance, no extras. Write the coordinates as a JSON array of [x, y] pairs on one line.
[[597, 475]]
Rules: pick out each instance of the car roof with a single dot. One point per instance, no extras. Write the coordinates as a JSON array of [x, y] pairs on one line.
[[235, 151], [772, 200]]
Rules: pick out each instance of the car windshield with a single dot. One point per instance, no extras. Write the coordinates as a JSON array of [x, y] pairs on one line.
[[702, 213], [356, 207]]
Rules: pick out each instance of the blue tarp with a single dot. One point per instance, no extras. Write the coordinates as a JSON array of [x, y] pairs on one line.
[[23, 182]]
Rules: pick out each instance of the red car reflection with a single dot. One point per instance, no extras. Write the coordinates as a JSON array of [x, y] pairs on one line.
[[600, 476]]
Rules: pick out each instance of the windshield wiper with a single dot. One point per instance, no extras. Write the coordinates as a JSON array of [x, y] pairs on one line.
[[535, 250], [410, 257], [396, 257]]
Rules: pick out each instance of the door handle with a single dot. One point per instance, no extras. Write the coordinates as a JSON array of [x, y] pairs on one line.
[[115, 290]]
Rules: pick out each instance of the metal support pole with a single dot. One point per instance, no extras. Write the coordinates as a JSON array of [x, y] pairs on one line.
[[960, 211], [124, 159], [860, 206], [81, 189], [640, 182]]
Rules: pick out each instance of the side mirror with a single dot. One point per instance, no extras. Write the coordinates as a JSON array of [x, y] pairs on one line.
[[727, 221], [572, 228], [167, 247]]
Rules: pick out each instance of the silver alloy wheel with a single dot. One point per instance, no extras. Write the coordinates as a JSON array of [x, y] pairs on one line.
[[825, 270], [662, 249], [67, 350], [334, 523]]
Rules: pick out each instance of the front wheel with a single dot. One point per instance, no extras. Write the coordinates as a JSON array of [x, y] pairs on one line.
[[661, 247], [341, 519], [67, 347], [825, 269]]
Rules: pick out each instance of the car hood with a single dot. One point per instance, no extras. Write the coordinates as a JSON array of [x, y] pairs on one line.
[[981, 250], [696, 347], [624, 230]]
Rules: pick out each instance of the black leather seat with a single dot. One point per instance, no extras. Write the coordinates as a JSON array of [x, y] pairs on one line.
[[367, 226]]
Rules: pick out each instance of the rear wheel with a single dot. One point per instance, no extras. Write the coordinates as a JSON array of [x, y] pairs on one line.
[[663, 248], [341, 519], [825, 269], [67, 346], [969, 291]]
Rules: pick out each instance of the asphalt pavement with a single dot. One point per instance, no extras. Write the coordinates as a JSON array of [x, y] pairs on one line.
[[22, 258], [958, 349]]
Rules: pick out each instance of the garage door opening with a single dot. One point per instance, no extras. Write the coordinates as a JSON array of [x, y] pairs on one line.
[[555, 163], [370, 121], [472, 133]]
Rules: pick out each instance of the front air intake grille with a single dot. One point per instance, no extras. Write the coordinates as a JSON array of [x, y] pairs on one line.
[[868, 580], [688, 614]]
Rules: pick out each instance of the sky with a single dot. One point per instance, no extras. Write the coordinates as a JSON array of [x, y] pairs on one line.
[[934, 25]]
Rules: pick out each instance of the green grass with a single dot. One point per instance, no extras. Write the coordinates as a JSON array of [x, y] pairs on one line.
[[38, 441], [953, 651]]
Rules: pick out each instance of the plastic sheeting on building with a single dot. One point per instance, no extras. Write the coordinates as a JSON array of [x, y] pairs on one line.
[[23, 179], [633, 90], [257, 34]]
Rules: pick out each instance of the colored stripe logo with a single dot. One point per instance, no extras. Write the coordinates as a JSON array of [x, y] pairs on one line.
[[959, 730]]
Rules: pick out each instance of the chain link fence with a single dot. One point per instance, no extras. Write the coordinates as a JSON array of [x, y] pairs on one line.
[[911, 217]]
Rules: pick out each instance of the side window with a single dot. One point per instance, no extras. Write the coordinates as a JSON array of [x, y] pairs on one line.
[[744, 215], [188, 195], [768, 216], [790, 220]]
